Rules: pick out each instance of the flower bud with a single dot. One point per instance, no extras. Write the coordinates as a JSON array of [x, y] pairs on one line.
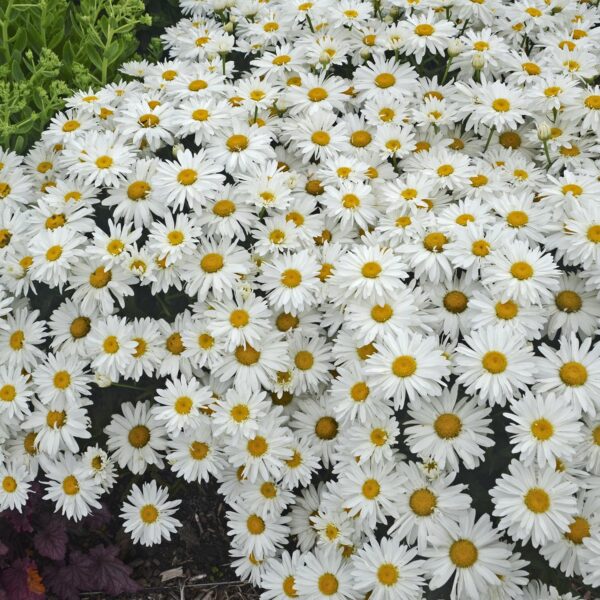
[[455, 47], [544, 132], [478, 61], [102, 380]]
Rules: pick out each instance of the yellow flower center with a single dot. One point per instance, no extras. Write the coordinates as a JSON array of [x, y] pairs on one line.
[[62, 380], [517, 218], [17, 340], [200, 114], [317, 94], [531, 68], [70, 485], [573, 374], [199, 450], [247, 355], [371, 270], [494, 362], [350, 201], [55, 419], [187, 176], [542, 429], [434, 242], [593, 234], [328, 584], [138, 190], [140, 348], [378, 437], [237, 143], [447, 426], [360, 139], [445, 170], [381, 313], [304, 360], [359, 391], [197, 84], [71, 125], [148, 120], [183, 405], [55, 221], [100, 278], [404, 366], [174, 344], [537, 500], [138, 436], [291, 278], [288, 587], [424, 29], [365, 351], [455, 302], [111, 345], [239, 413], [506, 310], [211, 263], [465, 218], [592, 102], [320, 138], [385, 80], [579, 529], [568, 301], [257, 446], [149, 514], [480, 248], [224, 208], [286, 321], [326, 428], [9, 484], [463, 553], [8, 393], [521, 270], [54, 253], [371, 489], [388, 574], [422, 502]]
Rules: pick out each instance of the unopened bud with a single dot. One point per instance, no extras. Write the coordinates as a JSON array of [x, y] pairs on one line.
[[324, 59], [544, 131], [228, 27], [455, 47], [478, 61], [365, 54], [177, 148], [102, 380]]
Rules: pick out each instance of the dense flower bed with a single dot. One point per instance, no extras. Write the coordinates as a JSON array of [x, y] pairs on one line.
[[373, 233]]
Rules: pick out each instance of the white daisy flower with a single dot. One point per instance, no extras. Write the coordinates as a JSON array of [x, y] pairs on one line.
[[148, 514]]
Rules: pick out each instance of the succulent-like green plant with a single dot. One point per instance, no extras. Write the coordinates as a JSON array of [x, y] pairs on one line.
[[50, 47]]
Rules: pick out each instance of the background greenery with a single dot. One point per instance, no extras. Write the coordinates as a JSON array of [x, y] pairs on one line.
[[50, 48]]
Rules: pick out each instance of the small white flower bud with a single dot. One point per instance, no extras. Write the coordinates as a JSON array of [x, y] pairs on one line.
[[478, 61], [544, 131], [455, 47], [102, 380]]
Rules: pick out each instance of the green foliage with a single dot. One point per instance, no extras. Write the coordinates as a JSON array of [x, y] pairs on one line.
[[50, 47]]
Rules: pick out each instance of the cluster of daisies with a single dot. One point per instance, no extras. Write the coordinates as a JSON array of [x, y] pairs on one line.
[[383, 219]]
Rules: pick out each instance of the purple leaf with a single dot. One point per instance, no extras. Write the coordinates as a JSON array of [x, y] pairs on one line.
[[21, 581], [110, 574], [63, 581], [51, 541]]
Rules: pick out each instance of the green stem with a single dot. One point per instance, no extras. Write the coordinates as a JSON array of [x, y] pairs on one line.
[[310, 23], [547, 153], [489, 139], [109, 36], [446, 71], [5, 22]]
